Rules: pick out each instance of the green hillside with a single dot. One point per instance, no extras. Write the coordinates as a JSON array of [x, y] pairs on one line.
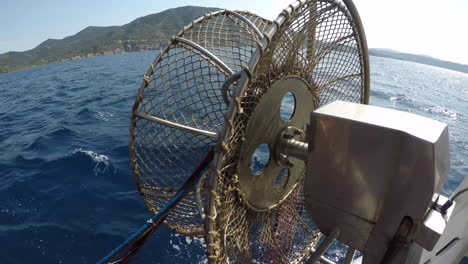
[[144, 33]]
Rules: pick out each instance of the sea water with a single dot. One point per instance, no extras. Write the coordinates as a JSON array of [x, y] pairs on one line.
[[67, 194]]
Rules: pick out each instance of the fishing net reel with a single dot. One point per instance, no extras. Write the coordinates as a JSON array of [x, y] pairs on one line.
[[225, 81], [220, 82]]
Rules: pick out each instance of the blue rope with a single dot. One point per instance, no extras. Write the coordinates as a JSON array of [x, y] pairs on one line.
[[156, 219]]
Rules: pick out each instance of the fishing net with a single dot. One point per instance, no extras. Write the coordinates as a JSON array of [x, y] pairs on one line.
[[322, 43], [181, 90]]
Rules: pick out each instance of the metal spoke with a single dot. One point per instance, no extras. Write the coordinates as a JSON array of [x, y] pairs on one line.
[[336, 80], [207, 53], [175, 125], [246, 21], [325, 50]]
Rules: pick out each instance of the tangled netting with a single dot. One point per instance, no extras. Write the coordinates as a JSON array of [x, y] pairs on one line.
[[180, 113], [320, 42], [183, 86]]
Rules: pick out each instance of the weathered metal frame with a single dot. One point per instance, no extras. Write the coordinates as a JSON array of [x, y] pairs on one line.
[[234, 108], [178, 38], [175, 125], [242, 83]]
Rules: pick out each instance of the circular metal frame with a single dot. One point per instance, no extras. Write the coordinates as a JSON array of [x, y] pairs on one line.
[[293, 53], [160, 137], [239, 111]]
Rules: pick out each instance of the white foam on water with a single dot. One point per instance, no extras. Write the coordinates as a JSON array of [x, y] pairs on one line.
[[440, 110], [98, 158], [401, 98], [176, 247], [102, 161], [183, 243], [104, 116]]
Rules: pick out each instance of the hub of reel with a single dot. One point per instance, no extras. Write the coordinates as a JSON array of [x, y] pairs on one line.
[[266, 189]]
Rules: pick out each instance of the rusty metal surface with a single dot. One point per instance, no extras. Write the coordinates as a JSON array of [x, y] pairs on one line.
[[323, 43], [179, 109], [184, 102]]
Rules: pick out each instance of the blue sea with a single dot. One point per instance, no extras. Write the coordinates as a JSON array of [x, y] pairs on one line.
[[67, 194]]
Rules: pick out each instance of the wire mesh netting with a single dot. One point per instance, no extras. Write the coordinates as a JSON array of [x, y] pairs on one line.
[[183, 86], [180, 111], [321, 42]]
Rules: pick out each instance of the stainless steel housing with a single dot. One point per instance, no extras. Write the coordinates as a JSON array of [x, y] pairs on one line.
[[369, 170]]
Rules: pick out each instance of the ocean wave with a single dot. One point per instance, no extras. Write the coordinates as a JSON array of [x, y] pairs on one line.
[[85, 159], [444, 111], [85, 113], [102, 161], [55, 141], [378, 94], [104, 116], [62, 132], [391, 86], [27, 162], [186, 247], [401, 97], [98, 158]]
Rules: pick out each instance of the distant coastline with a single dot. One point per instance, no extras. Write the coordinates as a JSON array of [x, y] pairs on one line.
[[150, 32], [422, 59], [147, 33], [75, 58]]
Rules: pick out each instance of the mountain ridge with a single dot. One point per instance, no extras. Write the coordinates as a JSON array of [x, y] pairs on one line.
[[144, 33], [419, 58]]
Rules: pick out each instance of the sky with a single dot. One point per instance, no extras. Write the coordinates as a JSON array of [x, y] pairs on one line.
[[435, 28]]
